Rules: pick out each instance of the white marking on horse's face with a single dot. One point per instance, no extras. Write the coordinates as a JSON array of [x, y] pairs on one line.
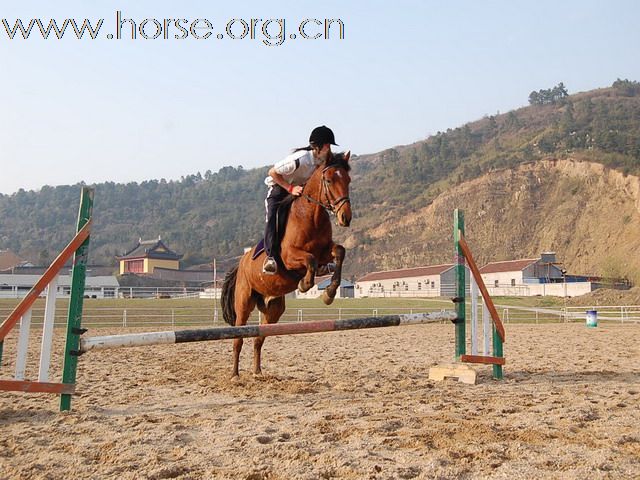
[[338, 174]]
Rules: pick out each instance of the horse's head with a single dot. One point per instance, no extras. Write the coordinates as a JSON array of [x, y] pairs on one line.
[[335, 180]]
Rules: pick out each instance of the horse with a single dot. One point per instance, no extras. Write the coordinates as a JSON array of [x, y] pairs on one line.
[[307, 244]]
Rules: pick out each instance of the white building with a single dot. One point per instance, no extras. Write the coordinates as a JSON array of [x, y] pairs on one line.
[[525, 277], [427, 281], [17, 286], [533, 276], [508, 277]]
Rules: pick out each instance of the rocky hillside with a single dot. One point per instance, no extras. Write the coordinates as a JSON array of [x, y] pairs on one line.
[[589, 214]]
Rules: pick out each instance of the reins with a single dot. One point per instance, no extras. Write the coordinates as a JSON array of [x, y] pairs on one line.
[[332, 206]]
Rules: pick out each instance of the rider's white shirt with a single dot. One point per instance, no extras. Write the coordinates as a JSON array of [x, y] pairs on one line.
[[296, 168]]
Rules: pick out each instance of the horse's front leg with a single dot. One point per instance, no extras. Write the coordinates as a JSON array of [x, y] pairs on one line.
[[338, 253], [272, 311], [296, 259], [244, 305]]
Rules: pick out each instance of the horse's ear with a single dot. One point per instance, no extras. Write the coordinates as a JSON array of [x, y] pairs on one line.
[[347, 155]]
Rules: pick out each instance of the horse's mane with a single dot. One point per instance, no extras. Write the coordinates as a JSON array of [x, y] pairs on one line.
[[337, 160]]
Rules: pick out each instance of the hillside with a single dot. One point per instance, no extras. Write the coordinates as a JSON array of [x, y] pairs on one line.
[[558, 175], [589, 214]]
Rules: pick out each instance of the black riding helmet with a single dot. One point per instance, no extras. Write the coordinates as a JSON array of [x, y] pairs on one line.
[[321, 135]]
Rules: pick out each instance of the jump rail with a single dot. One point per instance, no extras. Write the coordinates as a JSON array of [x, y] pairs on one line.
[[247, 331]]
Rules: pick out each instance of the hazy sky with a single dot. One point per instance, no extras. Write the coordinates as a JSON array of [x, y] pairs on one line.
[[130, 110]]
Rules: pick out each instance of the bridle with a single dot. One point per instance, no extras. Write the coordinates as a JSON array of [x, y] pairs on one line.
[[331, 204]]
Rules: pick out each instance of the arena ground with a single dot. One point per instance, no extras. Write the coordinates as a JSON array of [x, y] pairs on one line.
[[347, 405]]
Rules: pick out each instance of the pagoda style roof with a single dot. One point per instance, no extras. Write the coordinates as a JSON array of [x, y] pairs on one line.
[[151, 249]]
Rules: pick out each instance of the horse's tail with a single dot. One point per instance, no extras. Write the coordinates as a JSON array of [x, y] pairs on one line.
[[227, 296]]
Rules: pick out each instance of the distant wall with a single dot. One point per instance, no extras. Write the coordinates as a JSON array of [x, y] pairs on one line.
[[424, 286], [573, 289]]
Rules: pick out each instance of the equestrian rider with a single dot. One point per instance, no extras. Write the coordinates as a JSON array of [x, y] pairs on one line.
[[288, 176]]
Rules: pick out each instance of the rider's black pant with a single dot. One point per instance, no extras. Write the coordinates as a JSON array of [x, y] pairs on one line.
[[275, 195]]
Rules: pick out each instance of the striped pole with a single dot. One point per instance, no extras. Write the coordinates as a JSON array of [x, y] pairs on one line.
[[267, 330]]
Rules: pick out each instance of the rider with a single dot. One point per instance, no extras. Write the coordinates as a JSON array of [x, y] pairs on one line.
[[288, 176]]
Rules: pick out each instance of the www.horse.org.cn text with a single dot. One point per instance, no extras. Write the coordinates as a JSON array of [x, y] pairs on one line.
[[270, 32]]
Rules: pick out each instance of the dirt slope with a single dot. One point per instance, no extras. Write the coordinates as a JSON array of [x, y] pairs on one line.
[[587, 213]]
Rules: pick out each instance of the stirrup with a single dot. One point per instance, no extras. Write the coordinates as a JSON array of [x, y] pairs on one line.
[[269, 267]]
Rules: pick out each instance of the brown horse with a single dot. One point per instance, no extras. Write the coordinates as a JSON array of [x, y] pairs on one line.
[[306, 245]]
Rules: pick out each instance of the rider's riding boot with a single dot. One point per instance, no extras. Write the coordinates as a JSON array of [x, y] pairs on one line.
[[270, 267]]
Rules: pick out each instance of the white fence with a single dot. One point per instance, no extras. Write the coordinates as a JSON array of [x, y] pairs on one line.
[[132, 317], [165, 315], [444, 290], [617, 313], [115, 292], [98, 317], [510, 314]]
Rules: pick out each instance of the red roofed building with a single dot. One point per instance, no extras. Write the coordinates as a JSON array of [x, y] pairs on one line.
[[427, 281]]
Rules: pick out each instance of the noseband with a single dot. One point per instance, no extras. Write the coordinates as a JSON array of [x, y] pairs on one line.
[[331, 204]]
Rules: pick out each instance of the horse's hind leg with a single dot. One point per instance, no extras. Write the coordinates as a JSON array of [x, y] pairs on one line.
[[244, 305], [271, 313]]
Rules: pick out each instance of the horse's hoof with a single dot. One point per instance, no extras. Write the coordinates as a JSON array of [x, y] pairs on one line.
[[302, 287], [326, 298]]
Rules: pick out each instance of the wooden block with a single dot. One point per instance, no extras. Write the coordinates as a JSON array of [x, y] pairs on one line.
[[483, 359], [463, 373], [36, 387]]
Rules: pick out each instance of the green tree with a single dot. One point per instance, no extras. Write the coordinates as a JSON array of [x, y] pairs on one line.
[[626, 87], [512, 122]]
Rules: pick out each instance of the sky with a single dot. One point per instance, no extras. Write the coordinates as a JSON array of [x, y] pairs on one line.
[[127, 109]]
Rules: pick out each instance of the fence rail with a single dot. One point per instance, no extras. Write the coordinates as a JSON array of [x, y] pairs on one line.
[[615, 313], [164, 315], [19, 291], [204, 316]]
